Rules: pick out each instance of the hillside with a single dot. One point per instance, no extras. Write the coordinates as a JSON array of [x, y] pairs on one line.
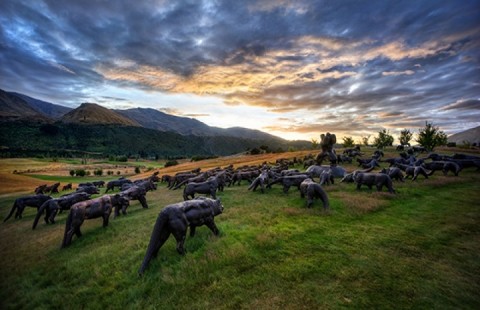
[[13, 107], [48, 109], [246, 133], [471, 135], [154, 119], [91, 113], [32, 139]]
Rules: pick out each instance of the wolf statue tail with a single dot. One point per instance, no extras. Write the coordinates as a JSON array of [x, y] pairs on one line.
[[160, 234], [367, 169], [11, 211], [179, 185], [254, 184]]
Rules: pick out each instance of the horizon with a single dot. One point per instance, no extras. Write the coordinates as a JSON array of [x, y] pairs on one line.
[[294, 69], [357, 140]]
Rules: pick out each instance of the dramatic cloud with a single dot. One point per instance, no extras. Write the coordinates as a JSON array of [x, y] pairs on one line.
[[473, 104], [294, 68]]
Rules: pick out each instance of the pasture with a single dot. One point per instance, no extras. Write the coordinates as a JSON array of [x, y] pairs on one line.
[[419, 248]]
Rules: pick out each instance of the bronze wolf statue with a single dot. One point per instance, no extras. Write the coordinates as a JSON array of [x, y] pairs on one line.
[[175, 219], [90, 209]]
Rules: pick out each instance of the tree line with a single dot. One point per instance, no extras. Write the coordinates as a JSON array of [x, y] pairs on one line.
[[430, 136]]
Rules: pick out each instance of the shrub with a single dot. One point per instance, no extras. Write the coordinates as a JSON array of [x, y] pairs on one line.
[[80, 172], [137, 170], [265, 149], [98, 172], [202, 157], [348, 142], [171, 162], [72, 172], [255, 151], [122, 158]]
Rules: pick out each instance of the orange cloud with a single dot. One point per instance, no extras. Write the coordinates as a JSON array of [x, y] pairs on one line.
[[259, 78]]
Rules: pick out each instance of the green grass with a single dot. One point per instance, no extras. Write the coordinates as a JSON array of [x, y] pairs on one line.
[[130, 163], [417, 249], [72, 161]]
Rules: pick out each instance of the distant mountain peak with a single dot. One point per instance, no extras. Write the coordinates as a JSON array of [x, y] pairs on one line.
[[13, 107], [92, 113], [48, 109], [158, 120]]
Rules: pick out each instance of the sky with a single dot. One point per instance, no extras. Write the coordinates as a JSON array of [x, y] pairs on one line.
[[295, 69]]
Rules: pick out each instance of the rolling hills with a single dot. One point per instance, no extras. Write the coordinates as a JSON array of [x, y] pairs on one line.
[[155, 119], [91, 113], [41, 127], [63, 139]]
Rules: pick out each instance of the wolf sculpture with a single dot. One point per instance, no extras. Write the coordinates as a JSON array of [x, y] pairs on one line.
[[27, 201], [90, 209], [175, 219]]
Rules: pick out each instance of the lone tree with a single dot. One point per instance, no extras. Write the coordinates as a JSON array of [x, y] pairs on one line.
[[347, 142], [430, 136], [405, 136], [384, 139], [315, 144]]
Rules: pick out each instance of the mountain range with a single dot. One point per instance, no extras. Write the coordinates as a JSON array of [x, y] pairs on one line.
[[47, 109], [14, 108], [41, 126], [44, 125], [91, 113]]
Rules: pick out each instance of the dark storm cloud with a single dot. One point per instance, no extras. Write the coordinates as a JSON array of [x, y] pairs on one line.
[[473, 104], [394, 59]]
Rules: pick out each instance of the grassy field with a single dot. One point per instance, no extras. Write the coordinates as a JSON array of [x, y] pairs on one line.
[[417, 249]]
